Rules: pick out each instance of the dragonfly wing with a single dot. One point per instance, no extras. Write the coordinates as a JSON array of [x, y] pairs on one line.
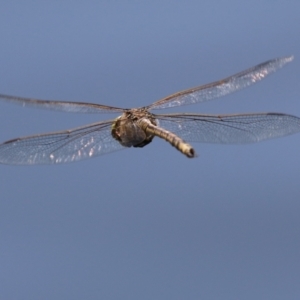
[[223, 87], [60, 147], [230, 129], [67, 106]]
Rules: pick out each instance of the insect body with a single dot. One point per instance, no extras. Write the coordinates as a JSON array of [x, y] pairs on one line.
[[137, 127]]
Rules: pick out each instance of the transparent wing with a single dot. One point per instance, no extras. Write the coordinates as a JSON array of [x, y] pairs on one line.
[[223, 87], [60, 147], [230, 129], [67, 106]]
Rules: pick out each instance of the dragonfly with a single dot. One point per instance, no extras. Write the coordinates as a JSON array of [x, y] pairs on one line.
[[137, 127]]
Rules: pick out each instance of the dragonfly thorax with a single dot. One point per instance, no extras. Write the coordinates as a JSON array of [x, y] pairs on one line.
[[127, 129]]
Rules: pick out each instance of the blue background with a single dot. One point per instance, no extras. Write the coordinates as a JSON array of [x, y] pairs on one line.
[[149, 223]]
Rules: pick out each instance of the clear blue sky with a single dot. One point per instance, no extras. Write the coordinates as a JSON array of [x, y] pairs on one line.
[[149, 223]]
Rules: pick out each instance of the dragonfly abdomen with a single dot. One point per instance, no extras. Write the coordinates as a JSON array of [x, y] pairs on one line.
[[168, 136]]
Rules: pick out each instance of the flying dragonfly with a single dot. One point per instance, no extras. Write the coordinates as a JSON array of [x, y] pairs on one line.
[[137, 127]]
